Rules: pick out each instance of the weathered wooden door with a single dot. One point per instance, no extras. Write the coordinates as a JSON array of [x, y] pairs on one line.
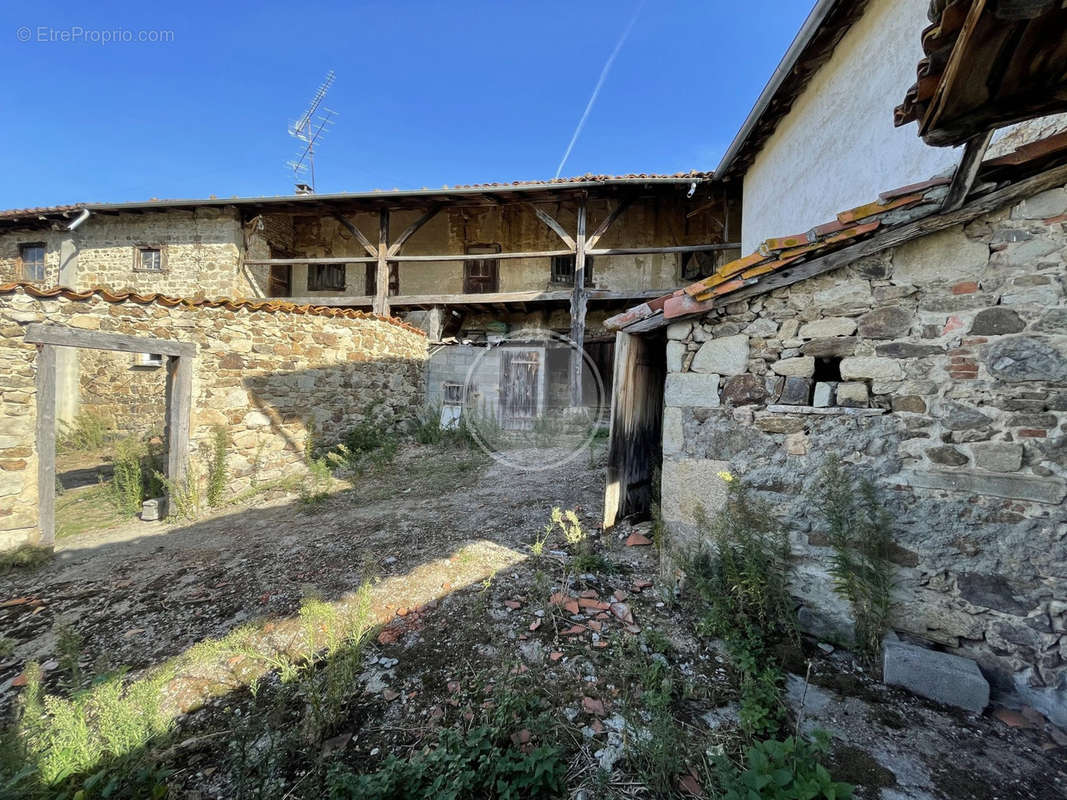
[[519, 387], [635, 448]]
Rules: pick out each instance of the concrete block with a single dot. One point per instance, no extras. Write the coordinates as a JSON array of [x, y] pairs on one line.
[[153, 509], [675, 351], [943, 677], [824, 395]]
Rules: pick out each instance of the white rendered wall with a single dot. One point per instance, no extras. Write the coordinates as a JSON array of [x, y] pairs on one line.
[[837, 148]]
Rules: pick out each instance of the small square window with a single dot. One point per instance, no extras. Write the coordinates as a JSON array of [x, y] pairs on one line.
[[31, 261], [563, 270], [150, 259], [326, 277]]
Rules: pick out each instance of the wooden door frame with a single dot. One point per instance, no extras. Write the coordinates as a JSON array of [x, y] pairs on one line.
[[48, 338]]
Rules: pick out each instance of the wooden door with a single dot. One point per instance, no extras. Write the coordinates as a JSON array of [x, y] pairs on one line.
[[635, 447], [482, 276], [519, 388]]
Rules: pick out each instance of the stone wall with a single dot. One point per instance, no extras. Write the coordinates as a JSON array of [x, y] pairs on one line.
[[121, 388], [939, 369], [201, 253], [268, 376]]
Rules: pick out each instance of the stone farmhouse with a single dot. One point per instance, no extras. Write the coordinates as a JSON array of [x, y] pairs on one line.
[[465, 264], [838, 285], [907, 317]]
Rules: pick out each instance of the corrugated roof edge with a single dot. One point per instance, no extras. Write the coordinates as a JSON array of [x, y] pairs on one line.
[[230, 304], [578, 182]]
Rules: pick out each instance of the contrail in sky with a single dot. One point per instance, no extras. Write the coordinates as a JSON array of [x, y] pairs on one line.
[[599, 83]]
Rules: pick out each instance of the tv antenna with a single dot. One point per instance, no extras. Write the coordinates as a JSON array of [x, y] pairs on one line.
[[309, 129]]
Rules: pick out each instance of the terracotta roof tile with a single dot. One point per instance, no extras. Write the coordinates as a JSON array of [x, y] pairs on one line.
[[696, 175], [230, 304], [780, 252]]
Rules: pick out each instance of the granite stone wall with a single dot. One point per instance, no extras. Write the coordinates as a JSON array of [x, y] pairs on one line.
[[268, 376], [938, 369], [123, 390]]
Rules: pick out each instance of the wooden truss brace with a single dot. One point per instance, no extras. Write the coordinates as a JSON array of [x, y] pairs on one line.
[[394, 248], [602, 228], [967, 171], [550, 221], [372, 251]]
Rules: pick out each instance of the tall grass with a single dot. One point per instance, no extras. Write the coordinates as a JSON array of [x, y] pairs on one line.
[[859, 529], [87, 432]]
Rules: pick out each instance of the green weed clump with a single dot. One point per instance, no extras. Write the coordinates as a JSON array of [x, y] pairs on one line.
[[137, 477], [481, 762], [87, 745], [183, 495], [782, 770], [216, 468], [743, 584], [87, 432], [859, 529]]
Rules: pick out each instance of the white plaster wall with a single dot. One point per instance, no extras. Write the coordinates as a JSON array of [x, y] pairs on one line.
[[837, 148]]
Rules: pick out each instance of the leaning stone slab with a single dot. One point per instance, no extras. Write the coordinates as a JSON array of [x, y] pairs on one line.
[[691, 389], [1014, 487], [952, 680]]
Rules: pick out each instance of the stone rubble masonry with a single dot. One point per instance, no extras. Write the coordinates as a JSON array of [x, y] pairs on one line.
[[267, 376], [955, 350], [201, 254]]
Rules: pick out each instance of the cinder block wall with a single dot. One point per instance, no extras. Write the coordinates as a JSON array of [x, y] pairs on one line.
[[953, 354], [268, 376]]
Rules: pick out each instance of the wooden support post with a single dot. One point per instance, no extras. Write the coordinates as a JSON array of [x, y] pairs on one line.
[[550, 221], [381, 297], [967, 171], [579, 301], [179, 403], [46, 444]]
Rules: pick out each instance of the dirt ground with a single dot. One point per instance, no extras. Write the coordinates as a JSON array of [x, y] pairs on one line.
[[443, 536]]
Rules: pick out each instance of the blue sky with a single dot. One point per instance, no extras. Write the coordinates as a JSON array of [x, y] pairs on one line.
[[427, 93]]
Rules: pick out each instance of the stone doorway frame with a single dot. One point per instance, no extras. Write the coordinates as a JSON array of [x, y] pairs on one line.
[[48, 338]]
